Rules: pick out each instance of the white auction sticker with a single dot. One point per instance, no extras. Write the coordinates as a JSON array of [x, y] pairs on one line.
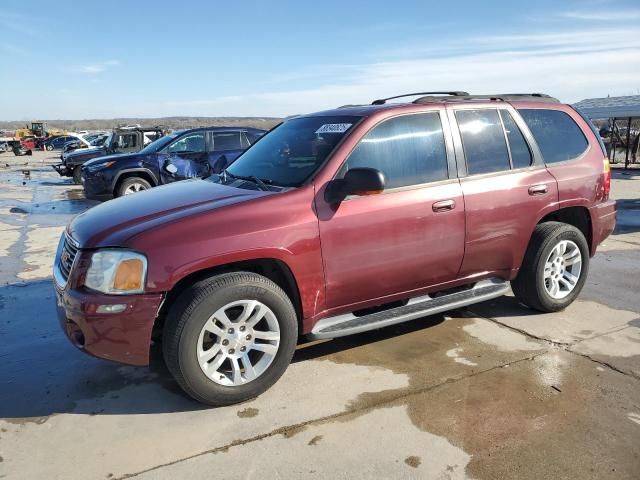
[[334, 128]]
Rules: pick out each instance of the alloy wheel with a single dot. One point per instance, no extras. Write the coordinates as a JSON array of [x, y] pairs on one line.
[[238, 342], [562, 269]]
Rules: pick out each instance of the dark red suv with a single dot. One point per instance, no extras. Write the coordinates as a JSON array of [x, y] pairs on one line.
[[335, 223]]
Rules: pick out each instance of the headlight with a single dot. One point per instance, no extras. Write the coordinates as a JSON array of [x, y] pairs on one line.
[[117, 272], [100, 166]]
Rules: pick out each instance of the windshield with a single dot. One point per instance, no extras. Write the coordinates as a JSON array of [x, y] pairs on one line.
[[158, 144], [289, 154]]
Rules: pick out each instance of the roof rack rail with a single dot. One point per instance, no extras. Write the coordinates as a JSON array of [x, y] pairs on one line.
[[382, 101], [501, 97]]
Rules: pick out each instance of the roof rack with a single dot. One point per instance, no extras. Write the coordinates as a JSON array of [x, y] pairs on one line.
[[382, 101], [501, 97]]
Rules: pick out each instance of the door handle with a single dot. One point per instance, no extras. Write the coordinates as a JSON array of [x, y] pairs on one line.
[[538, 190], [443, 206]]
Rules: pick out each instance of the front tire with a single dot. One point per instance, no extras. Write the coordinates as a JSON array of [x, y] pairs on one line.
[[132, 185], [554, 268], [229, 338], [50, 148]]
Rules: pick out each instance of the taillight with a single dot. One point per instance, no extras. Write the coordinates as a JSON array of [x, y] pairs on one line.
[[606, 181]]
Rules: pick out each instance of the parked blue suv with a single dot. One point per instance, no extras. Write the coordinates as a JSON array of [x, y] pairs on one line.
[[196, 152]]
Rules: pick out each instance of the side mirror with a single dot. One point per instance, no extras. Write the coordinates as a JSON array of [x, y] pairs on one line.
[[357, 181]]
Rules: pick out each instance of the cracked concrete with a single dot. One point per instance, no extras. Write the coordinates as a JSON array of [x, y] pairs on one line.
[[493, 391]]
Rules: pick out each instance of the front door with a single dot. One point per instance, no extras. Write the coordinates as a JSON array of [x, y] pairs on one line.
[[408, 237], [185, 158]]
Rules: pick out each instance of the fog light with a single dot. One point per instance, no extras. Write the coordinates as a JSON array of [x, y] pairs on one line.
[[117, 308]]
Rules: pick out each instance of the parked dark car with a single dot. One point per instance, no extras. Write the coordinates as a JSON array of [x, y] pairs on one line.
[[184, 154], [57, 143], [93, 140], [336, 223], [120, 141]]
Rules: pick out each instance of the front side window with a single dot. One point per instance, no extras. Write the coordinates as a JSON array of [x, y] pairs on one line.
[[555, 132], [408, 150], [128, 141], [191, 143], [518, 147], [485, 148], [226, 141], [291, 153]]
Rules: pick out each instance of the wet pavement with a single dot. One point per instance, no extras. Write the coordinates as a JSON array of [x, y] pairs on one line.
[[492, 391]]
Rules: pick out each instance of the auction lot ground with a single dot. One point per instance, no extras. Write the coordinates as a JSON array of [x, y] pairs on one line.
[[492, 391]]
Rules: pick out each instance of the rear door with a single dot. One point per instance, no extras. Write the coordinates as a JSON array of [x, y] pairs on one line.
[[411, 235], [505, 184], [224, 148]]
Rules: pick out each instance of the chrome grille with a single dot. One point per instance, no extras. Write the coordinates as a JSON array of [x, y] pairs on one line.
[[67, 257]]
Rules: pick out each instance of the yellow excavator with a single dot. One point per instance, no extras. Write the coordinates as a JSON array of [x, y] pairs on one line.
[[37, 130]]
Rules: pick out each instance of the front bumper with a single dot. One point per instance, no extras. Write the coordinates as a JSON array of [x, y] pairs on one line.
[[62, 169], [122, 337], [97, 186]]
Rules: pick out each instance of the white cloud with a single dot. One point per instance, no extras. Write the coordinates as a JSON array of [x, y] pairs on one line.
[[569, 65], [612, 15], [94, 68]]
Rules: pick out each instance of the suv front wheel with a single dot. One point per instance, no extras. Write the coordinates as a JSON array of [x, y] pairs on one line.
[[132, 185], [554, 268], [229, 338]]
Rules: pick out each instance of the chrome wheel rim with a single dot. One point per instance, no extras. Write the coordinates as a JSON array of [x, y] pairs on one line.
[[562, 269], [134, 188], [238, 343]]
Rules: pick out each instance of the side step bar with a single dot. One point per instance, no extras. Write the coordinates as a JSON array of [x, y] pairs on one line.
[[349, 324]]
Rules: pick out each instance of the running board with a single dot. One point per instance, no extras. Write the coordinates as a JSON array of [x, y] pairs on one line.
[[349, 324]]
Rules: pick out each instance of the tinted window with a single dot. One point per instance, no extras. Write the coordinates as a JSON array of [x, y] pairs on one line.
[[483, 140], [557, 135], [128, 141], [226, 141], [409, 150], [520, 153], [593, 129], [244, 141], [190, 143]]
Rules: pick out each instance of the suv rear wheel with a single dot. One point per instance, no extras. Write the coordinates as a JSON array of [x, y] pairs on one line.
[[229, 338], [132, 185], [554, 268]]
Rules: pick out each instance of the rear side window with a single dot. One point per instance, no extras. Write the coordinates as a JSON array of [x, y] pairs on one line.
[[520, 153], [555, 132], [408, 150], [226, 141], [483, 141], [593, 129]]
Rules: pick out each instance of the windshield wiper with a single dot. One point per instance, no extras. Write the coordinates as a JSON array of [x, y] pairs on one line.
[[251, 178]]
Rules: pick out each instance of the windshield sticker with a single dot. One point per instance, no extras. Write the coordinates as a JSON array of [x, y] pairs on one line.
[[334, 128]]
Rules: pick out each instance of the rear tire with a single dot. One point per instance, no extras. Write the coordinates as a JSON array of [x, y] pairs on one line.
[[195, 319], [132, 185], [554, 268]]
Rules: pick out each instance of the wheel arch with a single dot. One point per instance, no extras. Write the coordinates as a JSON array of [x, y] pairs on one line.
[[144, 173], [577, 216], [274, 269]]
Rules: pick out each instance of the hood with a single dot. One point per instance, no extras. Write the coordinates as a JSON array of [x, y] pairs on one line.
[[85, 151], [115, 156], [114, 222]]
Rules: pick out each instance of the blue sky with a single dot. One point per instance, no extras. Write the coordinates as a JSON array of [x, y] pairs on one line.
[[90, 59]]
